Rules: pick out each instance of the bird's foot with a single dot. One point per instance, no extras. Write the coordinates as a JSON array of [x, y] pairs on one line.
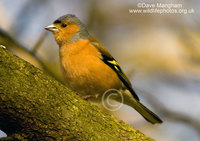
[[86, 97]]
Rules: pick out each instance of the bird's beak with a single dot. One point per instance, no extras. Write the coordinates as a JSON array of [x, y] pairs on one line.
[[51, 28]]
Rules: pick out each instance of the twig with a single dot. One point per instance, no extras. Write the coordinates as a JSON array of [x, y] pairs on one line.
[[39, 42], [11, 43]]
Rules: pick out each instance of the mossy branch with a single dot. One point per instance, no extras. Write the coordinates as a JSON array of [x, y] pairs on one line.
[[34, 106]]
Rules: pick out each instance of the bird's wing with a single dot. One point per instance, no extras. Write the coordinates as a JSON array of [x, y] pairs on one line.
[[112, 63]]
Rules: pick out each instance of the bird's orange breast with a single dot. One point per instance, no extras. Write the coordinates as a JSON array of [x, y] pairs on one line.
[[84, 71]]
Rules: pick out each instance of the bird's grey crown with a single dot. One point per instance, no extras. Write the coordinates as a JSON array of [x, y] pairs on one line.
[[82, 33], [68, 17]]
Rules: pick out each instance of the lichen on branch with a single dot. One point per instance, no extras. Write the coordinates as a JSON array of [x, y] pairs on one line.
[[34, 106]]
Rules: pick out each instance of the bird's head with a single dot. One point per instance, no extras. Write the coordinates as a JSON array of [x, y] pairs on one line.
[[68, 28]]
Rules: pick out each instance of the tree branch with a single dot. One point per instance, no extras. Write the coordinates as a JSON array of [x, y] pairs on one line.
[[13, 45], [34, 106]]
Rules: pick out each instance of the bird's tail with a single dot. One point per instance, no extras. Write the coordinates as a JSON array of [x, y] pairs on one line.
[[140, 108], [145, 112]]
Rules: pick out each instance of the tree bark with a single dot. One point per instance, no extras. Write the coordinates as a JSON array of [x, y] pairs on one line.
[[34, 106]]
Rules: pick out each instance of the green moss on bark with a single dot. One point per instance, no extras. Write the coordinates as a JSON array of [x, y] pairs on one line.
[[34, 106]]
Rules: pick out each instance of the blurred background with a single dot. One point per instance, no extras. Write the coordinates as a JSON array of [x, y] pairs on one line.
[[160, 53]]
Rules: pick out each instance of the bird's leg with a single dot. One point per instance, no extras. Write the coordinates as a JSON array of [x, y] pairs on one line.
[[86, 97]]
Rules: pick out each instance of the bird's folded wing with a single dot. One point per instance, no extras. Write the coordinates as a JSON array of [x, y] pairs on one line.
[[112, 63]]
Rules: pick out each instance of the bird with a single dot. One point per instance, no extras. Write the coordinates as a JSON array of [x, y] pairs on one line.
[[89, 69]]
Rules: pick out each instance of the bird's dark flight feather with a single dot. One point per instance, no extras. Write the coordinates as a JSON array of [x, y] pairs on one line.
[[112, 63]]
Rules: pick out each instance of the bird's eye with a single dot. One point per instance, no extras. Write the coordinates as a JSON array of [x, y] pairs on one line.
[[63, 25]]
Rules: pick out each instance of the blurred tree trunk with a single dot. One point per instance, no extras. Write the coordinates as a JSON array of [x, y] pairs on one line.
[[34, 106]]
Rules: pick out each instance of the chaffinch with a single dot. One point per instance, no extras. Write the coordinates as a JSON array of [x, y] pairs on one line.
[[89, 69]]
